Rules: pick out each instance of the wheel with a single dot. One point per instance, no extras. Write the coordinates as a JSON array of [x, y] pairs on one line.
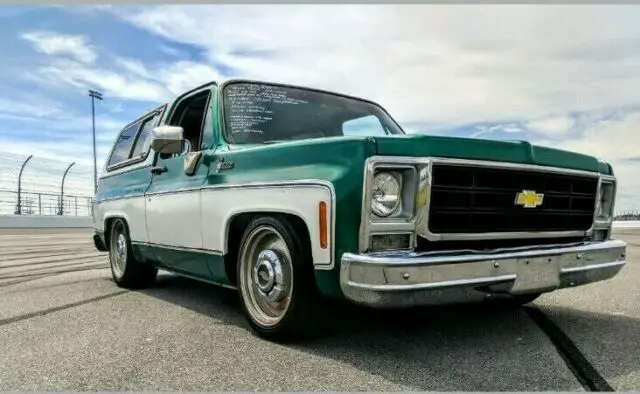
[[126, 271], [275, 280]]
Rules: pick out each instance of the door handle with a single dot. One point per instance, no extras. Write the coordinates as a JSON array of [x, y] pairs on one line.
[[158, 170]]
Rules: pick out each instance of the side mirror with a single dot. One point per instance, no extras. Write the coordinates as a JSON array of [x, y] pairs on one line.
[[167, 139]]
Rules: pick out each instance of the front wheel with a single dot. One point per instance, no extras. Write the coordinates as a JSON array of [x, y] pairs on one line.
[[126, 270], [275, 278]]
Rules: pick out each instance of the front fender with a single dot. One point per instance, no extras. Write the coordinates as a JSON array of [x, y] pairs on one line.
[[300, 198]]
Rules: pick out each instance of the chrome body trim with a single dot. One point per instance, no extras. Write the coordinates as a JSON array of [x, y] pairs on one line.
[[177, 248], [418, 222], [432, 278]]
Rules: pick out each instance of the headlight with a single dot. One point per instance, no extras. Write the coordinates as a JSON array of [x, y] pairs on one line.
[[605, 201], [385, 196]]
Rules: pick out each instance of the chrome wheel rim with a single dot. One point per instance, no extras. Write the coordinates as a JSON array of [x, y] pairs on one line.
[[266, 275], [118, 250]]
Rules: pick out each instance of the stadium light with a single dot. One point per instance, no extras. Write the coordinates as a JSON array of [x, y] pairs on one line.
[[94, 95]]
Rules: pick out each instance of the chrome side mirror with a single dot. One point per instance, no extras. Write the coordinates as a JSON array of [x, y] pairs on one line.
[[167, 139]]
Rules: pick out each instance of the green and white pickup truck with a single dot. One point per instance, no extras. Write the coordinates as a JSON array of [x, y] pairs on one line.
[[292, 195]]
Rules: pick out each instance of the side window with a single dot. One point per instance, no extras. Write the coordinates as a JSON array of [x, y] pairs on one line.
[[143, 141], [367, 125], [123, 144]]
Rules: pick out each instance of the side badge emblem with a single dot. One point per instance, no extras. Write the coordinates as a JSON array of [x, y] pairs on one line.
[[222, 165]]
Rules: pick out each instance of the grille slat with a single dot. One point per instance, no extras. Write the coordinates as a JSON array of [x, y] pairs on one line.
[[478, 199]]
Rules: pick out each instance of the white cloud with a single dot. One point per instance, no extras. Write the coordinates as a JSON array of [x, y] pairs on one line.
[[129, 79], [185, 75], [118, 84], [617, 139], [505, 128], [445, 64], [553, 126], [36, 108], [617, 142], [52, 43]]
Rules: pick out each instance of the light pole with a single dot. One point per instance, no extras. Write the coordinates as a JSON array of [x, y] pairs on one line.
[[94, 95]]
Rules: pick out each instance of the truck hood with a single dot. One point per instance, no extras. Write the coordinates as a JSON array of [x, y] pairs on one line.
[[522, 152]]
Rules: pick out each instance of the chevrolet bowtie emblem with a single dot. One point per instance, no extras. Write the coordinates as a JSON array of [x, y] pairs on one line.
[[529, 199]]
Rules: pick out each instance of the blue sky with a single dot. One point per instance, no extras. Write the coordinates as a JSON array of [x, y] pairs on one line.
[[563, 76]]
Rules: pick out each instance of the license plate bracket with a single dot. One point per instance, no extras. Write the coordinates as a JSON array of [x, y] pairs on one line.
[[537, 274]]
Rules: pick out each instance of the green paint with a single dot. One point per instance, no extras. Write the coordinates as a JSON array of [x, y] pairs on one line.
[[520, 152], [200, 264], [126, 184]]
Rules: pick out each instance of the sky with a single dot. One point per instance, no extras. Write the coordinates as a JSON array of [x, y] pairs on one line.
[[566, 76]]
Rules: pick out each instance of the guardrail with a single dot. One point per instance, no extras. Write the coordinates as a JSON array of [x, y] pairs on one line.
[[34, 203]]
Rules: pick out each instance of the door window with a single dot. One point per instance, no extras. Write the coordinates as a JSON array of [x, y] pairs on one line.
[[190, 115]]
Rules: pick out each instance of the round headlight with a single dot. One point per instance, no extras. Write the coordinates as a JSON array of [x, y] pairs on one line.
[[385, 194]]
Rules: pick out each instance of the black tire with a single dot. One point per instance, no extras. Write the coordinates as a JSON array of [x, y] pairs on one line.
[[130, 273], [299, 319]]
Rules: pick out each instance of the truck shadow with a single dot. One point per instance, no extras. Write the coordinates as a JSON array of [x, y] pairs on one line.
[[461, 348]]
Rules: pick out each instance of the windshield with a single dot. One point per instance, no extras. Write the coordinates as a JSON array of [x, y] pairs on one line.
[[258, 113]]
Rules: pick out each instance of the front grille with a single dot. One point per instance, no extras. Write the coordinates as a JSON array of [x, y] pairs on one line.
[[467, 199]]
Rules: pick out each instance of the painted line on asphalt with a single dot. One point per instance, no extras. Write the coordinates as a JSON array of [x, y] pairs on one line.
[[27, 316], [575, 360], [85, 267], [4, 292]]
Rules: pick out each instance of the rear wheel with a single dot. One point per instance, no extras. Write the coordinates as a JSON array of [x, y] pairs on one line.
[[126, 270], [275, 279]]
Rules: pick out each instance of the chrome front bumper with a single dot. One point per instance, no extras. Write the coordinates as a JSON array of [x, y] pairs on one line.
[[411, 279]]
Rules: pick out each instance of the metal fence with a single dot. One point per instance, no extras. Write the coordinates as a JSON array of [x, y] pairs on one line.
[[627, 215], [31, 185]]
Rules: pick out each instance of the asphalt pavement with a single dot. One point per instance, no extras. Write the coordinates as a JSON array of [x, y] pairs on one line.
[[64, 325]]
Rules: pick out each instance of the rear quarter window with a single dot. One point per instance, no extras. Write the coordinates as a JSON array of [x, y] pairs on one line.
[[122, 146]]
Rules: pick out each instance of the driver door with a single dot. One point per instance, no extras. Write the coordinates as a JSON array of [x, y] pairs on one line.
[[173, 199]]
